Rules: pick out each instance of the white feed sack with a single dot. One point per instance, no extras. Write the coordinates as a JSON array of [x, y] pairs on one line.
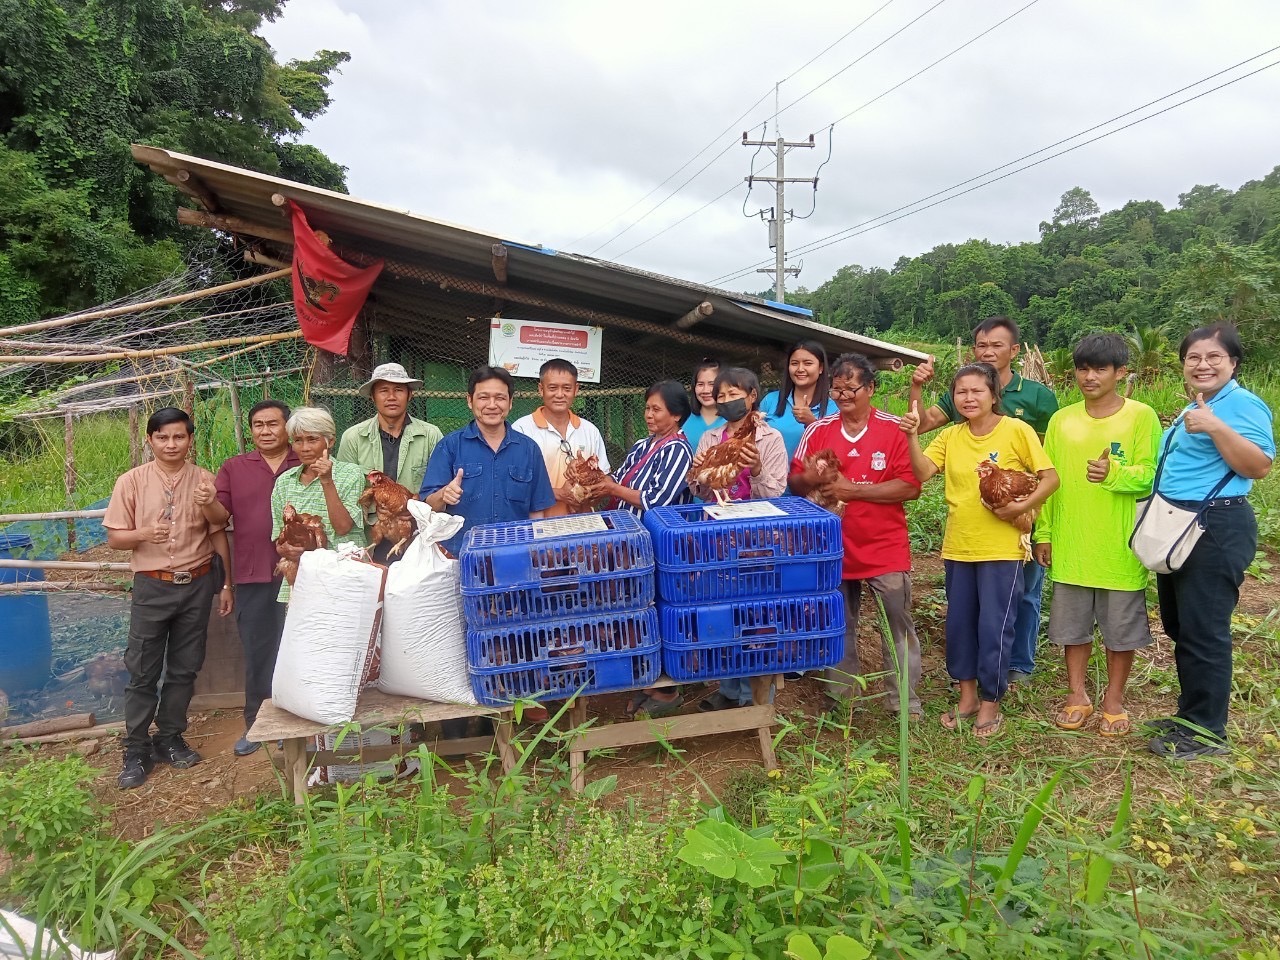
[[330, 645], [424, 640]]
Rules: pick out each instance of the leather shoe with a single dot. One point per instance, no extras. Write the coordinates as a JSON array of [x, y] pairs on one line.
[[176, 753], [244, 746], [137, 765]]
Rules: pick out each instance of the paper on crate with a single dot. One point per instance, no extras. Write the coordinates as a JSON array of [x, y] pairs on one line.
[[329, 649], [743, 511], [424, 641]]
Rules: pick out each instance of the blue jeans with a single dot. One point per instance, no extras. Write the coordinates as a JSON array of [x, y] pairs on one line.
[[1026, 632], [739, 689]]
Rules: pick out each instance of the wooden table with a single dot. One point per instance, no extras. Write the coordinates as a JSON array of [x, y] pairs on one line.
[[759, 716], [375, 709]]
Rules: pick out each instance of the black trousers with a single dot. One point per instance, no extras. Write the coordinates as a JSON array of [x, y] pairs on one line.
[[168, 625], [260, 622], [1196, 604]]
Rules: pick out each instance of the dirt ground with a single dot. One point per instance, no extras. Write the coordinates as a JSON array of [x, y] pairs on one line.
[[645, 774]]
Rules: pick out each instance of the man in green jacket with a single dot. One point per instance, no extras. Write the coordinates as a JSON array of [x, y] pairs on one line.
[[391, 440]]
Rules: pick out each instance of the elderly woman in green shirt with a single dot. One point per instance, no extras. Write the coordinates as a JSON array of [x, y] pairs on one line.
[[327, 488]]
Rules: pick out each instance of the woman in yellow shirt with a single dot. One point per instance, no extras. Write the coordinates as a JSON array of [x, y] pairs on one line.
[[982, 550]]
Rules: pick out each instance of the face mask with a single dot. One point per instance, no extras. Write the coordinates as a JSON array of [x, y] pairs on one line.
[[733, 410]]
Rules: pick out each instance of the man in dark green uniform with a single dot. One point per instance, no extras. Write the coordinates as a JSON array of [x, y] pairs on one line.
[[996, 341]]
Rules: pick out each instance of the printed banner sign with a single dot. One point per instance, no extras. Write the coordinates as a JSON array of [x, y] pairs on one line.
[[522, 346]]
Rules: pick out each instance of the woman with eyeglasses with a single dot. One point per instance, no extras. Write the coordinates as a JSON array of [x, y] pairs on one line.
[[1224, 434], [705, 416], [804, 396]]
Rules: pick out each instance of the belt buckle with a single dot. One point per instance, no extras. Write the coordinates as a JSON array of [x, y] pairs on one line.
[[181, 576]]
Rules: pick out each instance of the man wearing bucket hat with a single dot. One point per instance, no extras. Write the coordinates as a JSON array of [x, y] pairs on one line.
[[390, 440]]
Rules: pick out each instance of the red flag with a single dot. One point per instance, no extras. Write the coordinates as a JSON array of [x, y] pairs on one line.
[[328, 292]]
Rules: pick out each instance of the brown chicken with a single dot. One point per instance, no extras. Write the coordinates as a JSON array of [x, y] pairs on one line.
[[998, 486], [305, 530], [585, 480], [394, 522], [720, 466], [821, 469]]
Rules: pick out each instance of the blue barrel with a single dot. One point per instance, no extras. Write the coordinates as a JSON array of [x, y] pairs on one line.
[[26, 647]]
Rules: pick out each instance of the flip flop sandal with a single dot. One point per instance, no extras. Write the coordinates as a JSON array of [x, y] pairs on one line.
[[656, 708], [951, 719], [634, 705], [1115, 724], [985, 731], [1076, 714]]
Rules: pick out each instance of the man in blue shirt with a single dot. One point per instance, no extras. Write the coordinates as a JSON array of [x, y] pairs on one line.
[[486, 472]]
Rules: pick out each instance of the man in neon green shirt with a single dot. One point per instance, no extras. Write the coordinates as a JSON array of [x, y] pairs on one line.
[[1105, 451]]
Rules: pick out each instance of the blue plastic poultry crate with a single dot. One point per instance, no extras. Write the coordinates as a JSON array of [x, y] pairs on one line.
[[702, 559], [535, 642], [552, 569], [715, 661], [747, 621], [564, 677]]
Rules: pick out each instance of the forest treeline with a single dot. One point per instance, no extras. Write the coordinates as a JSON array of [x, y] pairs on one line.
[[80, 222], [1144, 270]]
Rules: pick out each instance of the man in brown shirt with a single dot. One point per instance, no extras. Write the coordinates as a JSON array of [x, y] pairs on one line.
[[153, 513]]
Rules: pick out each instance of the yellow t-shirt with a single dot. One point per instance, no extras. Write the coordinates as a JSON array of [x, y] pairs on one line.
[[973, 532]]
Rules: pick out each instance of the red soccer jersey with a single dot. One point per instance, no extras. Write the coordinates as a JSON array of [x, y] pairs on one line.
[[875, 534]]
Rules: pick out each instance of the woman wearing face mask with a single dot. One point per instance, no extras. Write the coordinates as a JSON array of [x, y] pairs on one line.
[[705, 416], [803, 397], [764, 476]]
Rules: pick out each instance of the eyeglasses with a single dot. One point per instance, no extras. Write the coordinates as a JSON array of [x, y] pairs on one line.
[[846, 393], [566, 449], [1212, 359], [167, 513]]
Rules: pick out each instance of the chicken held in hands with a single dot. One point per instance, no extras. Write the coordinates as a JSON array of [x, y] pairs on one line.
[[821, 470], [719, 467], [585, 482], [998, 487], [300, 530], [388, 499]]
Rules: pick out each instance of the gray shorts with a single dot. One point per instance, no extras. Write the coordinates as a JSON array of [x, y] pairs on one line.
[[1121, 615]]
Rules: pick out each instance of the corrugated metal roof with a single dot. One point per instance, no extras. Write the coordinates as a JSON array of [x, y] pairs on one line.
[[383, 231]]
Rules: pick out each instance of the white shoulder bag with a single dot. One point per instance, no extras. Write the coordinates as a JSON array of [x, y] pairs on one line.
[[1164, 534]]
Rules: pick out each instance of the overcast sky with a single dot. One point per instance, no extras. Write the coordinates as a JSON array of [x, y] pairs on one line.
[[547, 122]]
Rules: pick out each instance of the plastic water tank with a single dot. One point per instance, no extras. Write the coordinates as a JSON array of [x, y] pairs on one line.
[[26, 647]]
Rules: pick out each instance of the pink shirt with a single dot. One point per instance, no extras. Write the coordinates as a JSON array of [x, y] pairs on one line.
[[143, 496], [244, 486]]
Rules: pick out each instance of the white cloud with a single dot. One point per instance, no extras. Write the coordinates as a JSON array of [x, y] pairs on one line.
[[542, 122]]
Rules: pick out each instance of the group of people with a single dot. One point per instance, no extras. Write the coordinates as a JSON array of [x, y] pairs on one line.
[[1093, 461]]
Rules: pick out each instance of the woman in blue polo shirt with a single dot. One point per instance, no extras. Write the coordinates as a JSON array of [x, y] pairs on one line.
[[1224, 432], [803, 397]]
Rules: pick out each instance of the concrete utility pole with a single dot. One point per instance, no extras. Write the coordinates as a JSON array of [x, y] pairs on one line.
[[776, 222]]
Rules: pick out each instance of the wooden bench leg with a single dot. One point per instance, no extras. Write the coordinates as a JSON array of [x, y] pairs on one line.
[[502, 741], [577, 757], [760, 687], [295, 768]]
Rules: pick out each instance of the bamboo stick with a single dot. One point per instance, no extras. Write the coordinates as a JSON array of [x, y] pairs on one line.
[[69, 477], [158, 352], [65, 586], [63, 565], [86, 733], [55, 515], [234, 392], [135, 440], [147, 305], [36, 728], [229, 224]]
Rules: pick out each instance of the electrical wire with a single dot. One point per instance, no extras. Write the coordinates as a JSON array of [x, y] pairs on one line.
[[764, 130], [815, 175], [731, 127], [885, 219]]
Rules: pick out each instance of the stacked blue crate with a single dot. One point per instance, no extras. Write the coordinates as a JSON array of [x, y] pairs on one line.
[[551, 611], [748, 596]]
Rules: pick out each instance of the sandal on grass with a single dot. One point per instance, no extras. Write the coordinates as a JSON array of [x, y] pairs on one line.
[[1073, 716], [985, 731], [951, 719], [1115, 724], [653, 707]]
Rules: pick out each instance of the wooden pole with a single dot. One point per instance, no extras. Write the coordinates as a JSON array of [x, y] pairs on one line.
[[234, 393], [228, 224], [5, 562], [159, 352], [189, 405], [696, 315], [36, 728], [147, 305], [55, 515], [135, 439], [66, 586], [85, 733], [69, 477]]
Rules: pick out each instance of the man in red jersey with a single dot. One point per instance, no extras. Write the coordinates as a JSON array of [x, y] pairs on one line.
[[876, 480]]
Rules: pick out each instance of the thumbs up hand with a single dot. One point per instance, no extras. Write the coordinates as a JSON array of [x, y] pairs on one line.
[[923, 373], [451, 493], [910, 422], [205, 493], [323, 467], [1201, 418], [1098, 469]]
